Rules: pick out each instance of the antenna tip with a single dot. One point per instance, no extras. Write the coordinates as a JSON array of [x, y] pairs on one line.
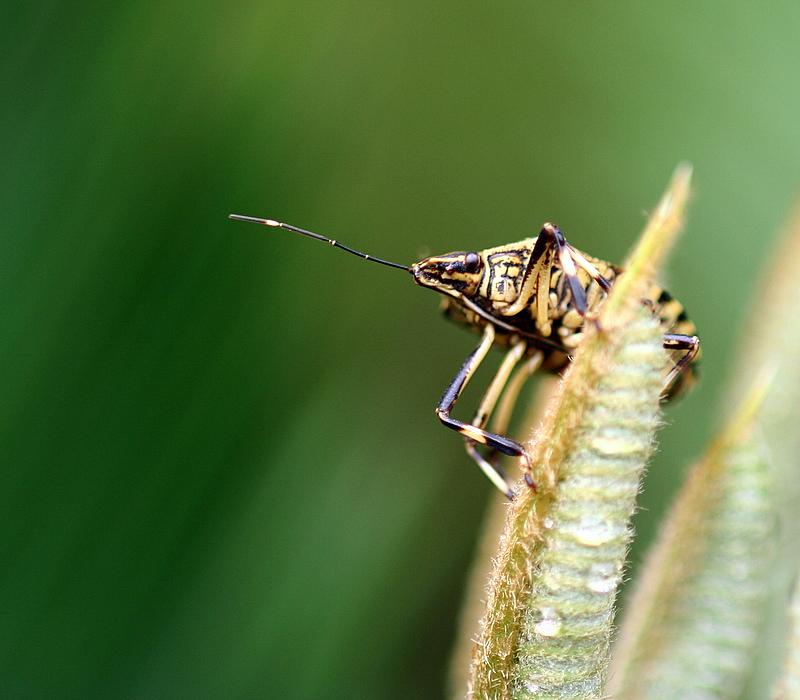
[[254, 220]]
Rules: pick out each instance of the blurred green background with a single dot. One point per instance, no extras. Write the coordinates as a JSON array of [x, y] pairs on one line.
[[222, 475]]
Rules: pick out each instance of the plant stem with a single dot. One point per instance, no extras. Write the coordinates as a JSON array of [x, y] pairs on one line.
[[546, 630]]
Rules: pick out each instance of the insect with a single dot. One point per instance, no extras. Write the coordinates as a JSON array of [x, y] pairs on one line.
[[533, 298]]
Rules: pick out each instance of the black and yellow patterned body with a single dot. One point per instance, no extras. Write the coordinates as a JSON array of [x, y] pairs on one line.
[[549, 321]]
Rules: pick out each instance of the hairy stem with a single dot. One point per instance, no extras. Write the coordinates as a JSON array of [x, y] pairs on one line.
[[547, 625], [475, 595]]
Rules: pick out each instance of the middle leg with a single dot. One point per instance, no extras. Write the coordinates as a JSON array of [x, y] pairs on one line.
[[551, 244]]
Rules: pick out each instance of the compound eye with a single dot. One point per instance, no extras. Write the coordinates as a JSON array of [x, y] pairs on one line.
[[472, 262]]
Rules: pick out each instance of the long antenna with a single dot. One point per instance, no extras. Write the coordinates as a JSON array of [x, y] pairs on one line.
[[317, 236]]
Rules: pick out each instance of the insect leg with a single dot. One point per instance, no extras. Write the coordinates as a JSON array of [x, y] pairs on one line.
[[676, 341], [502, 416], [481, 417], [549, 242], [490, 398], [593, 272], [567, 262], [539, 262], [503, 413], [451, 394]]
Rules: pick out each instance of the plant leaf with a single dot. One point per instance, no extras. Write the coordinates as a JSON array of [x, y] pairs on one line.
[[691, 626], [789, 685], [772, 337]]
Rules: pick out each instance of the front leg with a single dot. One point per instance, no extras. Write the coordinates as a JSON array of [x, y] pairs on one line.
[[471, 432], [534, 277], [551, 244], [486, 408]]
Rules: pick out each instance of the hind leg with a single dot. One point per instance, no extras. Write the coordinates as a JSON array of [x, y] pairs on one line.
[[677, 341]]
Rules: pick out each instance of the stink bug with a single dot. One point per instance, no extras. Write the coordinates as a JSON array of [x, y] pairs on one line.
[[532, 298]]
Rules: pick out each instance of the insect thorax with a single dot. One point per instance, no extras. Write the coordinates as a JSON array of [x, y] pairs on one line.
[[483, 287], [499, 287]]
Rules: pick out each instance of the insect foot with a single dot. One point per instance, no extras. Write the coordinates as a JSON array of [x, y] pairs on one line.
[[527, 470]]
